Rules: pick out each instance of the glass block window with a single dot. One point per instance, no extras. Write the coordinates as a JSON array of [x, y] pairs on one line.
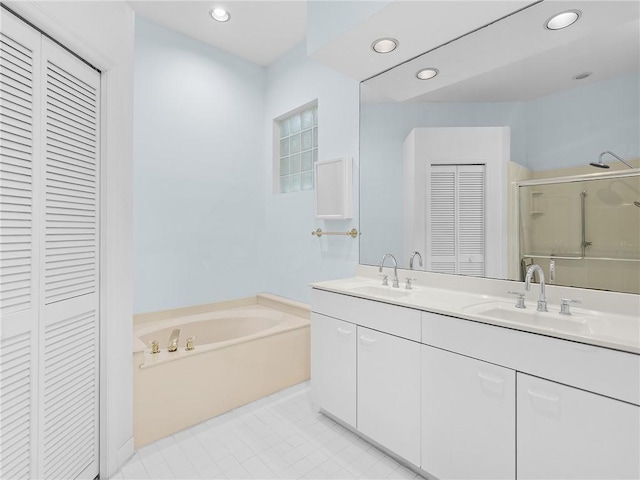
[[298, 150]]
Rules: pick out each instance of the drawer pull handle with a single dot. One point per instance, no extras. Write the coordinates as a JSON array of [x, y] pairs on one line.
[[544, 396], [344, 333], [366, 341], [491, 378]]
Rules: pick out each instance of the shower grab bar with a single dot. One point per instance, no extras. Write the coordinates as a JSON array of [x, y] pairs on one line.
[[353, 233], [584, 245]]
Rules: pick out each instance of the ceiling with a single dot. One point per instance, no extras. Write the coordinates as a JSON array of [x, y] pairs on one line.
[[418, 25], [534, 62], [259, 31]]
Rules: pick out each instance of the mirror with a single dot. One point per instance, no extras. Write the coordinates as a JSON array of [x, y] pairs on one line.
[[563, 97]]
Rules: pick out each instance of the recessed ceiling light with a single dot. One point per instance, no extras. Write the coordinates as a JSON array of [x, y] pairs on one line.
[[427, 73], [220, 14], [385, 45], [582, 76], [563, 19]]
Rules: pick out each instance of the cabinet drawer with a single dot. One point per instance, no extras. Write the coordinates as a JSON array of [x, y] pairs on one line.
[[400, 321], [601, 370]]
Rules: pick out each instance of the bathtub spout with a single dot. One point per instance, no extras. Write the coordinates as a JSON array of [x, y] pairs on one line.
[[173, 340]]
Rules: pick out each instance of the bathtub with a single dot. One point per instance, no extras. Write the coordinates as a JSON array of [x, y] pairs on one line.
[[240, 354]]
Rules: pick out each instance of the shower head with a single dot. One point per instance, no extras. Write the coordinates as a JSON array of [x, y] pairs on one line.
[[601, 164]]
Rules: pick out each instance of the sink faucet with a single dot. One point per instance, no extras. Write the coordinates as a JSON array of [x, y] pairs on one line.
[[542, 301], [396, 284], [413, 255]]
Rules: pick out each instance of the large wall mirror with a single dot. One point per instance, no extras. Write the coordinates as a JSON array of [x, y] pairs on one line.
[[486, 167]]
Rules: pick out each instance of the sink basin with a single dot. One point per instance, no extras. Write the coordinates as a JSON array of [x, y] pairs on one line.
[[575, 323], [581, 323], [381, 291]]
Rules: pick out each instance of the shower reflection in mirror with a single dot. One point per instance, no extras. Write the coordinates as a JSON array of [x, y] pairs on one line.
[[589, 227]]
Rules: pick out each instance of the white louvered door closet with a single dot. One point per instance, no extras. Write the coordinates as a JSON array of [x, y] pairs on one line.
[[456, 220], [49, 345]]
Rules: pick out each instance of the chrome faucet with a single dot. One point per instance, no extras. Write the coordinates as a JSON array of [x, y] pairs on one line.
[[542, 301], [413, 255], [396, 284], [173, 340]]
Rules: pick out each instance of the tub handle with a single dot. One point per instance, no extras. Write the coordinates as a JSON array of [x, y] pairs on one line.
[[190, 343], [155, 347]]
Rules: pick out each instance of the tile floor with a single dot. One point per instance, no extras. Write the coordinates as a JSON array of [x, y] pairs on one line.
[[277, 437]]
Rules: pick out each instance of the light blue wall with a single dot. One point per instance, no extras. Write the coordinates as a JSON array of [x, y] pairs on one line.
[[198, 153], [327, 19], [294, 257], [208, 226], [571, 128]]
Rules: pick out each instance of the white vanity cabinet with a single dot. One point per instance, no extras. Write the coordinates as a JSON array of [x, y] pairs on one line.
[[383, 341], [389, 392], [564, 432], [333, 366], [468, 417], [460, 398]]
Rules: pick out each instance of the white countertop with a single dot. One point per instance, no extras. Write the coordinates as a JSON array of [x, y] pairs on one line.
[[616, 326]]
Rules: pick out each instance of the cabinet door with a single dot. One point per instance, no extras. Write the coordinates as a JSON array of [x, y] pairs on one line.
[[333, 366], [568, 433], [389, 392], [468, 417]]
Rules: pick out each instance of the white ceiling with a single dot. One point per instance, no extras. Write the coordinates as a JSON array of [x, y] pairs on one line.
[[518, 59], [260, 31], [263, 30], [418, 25], [487, 61]]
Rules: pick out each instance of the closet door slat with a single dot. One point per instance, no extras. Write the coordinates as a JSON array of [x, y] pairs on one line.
[[15, 405], [71, 188], [16, 174], [70, 400]]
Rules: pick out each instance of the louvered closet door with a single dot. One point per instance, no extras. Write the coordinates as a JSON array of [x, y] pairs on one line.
[[69, 287], [456, 219], [471, 220], [19, 222], [441, 220]]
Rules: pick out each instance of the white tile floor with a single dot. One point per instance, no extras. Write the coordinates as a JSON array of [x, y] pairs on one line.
[[277, 437]]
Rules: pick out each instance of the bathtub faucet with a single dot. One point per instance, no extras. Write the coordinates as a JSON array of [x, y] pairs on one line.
[[173, 340]]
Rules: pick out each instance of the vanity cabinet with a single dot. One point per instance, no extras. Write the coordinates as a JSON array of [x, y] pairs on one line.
[[468, 417], [389, 392], [333, 366], [380, 397], [564, 432], [459, 398]]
